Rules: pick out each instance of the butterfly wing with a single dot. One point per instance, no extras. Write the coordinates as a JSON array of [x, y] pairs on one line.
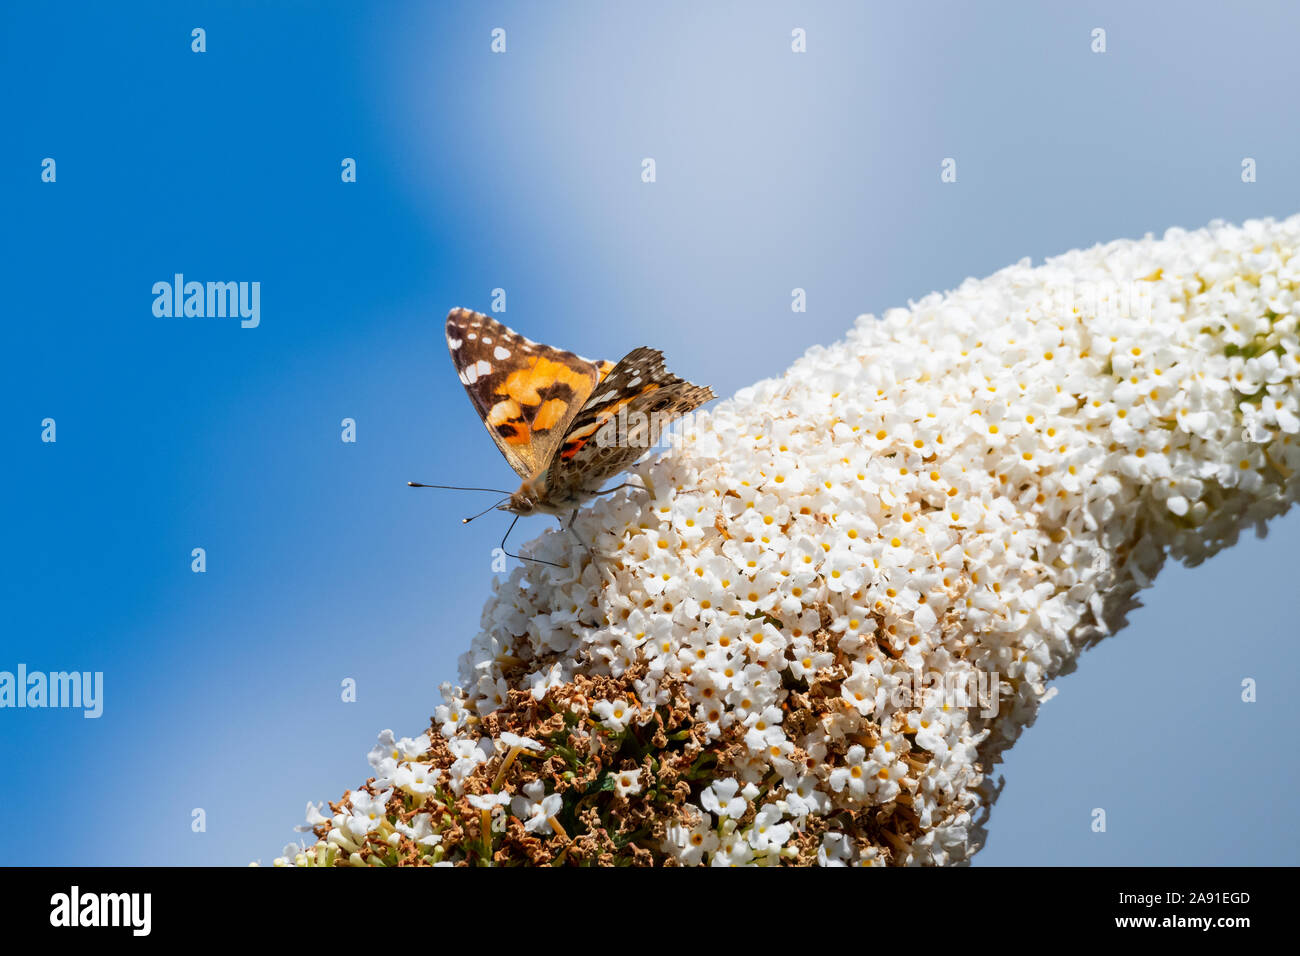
[[653, 398], [525, 392]]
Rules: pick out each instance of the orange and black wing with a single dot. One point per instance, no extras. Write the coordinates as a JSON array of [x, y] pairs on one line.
[[525, 392]]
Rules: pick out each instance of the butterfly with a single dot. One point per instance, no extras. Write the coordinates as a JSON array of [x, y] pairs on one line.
[[565, 424]]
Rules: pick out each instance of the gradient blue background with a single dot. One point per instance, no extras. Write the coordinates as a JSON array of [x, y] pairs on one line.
[[522, 171]]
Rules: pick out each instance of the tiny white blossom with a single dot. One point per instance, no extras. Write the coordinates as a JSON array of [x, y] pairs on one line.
[[614, 714], [419, 779], [691, 844], [488, 801], [368, 811], [721, 797], [535, 807], [627, 782]]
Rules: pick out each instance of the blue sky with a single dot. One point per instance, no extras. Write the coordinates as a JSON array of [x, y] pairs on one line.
[[521, 171]]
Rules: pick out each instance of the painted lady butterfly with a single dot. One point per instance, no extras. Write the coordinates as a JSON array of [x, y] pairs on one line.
[[544, 408]]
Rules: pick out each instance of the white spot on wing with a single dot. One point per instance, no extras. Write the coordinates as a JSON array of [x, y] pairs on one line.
[[500, 353], [453, 343]]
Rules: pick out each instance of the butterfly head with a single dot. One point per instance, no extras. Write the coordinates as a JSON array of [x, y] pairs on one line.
[[534, 496], [522, 502]]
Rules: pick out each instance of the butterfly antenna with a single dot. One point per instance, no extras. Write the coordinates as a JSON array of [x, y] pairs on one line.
[[491, 507], [495, 491]]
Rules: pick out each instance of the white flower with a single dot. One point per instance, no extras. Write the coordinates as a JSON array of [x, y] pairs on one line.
[[691, 844], [488, 801], [768, 832], [836, 849], [542, 681], [803, 798], [420, 829], [721, 798], [858, 774], [368, 811], [614, 714], [627, 782], [419, 779], [451, 719], [468, 754], [314, 817], [386, 754], [535, 808], [514, 740]]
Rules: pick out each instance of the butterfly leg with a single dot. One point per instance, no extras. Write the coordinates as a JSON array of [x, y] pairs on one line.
[[572, 517], [626, 484], [600, 566], [520, 556]]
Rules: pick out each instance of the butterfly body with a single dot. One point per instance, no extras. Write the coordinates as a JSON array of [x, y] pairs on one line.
[[565, 424], [533, 497]]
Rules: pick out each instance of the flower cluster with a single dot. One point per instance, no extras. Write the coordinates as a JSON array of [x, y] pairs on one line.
[[850, 585]]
